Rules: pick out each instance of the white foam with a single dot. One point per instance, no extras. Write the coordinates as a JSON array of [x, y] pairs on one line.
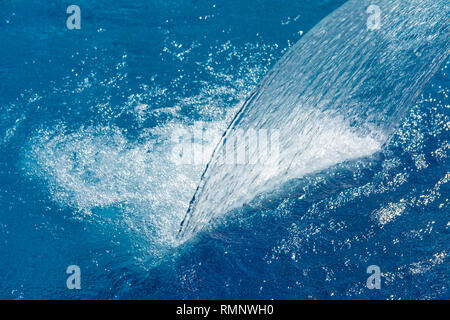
[[98, 168], [324, 143]]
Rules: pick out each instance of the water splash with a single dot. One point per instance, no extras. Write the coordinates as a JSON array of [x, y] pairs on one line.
[[337, 95]]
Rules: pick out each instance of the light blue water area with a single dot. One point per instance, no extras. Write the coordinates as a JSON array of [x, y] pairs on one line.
[[87, 174]]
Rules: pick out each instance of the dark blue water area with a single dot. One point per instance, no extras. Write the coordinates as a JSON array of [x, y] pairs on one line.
[[86, 118]]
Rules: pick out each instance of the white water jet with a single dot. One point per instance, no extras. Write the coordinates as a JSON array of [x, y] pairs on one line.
[[338, 94]]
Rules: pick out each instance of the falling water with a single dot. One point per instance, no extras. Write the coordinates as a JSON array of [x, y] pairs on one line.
[[338, 94]]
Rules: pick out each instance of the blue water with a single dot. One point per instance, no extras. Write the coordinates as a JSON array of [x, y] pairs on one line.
[[86, 178]]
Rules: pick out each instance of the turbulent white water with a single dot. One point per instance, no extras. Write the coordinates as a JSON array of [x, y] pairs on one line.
[[98, 168], [337, 95], [139, 184]]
